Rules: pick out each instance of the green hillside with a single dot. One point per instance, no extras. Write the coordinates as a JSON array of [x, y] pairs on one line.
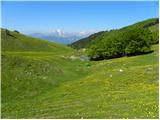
[[46, 80], [82, 43], [14, 41], [151, 24], [25, 60]]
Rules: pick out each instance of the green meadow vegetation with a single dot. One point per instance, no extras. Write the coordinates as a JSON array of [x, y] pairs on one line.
[[42, 79]]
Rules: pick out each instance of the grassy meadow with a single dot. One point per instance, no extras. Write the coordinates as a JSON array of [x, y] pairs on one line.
[[58, 84]]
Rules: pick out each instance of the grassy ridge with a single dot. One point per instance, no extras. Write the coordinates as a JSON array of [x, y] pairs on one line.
[[13, 41]]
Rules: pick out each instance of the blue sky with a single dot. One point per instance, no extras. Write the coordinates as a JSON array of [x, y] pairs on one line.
[[74, 16]]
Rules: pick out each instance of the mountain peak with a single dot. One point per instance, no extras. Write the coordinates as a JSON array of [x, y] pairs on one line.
[[62, 37], [58, 32]]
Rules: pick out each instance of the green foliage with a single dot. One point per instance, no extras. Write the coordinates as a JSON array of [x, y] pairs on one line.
[[155, 34], [137, 41], [155, 39], [120, 43]]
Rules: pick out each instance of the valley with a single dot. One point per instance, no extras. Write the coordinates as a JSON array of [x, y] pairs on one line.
[[42, 79]]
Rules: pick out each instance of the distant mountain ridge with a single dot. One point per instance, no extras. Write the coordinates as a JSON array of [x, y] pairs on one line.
[[62, 37]]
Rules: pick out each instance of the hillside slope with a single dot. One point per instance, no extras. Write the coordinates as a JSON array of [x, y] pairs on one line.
[[14, 41], [151, 24], [31, 66], [52, 82], [82, 43]]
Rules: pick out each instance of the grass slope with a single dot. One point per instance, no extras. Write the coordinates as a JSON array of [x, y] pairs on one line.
[[13, 41], [56, 84]]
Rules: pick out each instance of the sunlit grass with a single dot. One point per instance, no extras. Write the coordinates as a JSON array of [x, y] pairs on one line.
[[49, 85]]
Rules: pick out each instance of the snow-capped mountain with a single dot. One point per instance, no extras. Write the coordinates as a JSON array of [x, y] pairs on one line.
[[62, 37], [58, 32]]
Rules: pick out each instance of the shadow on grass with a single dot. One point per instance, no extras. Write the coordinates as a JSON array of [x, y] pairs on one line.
[[119, 56]]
